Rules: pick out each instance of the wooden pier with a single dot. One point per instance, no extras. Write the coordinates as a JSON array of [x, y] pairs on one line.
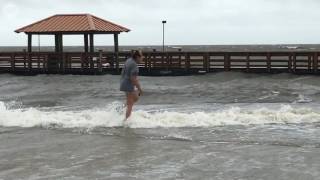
[[159, 63], [155, 63]]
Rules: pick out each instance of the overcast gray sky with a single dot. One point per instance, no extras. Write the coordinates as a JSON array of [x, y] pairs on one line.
[[189, 21]]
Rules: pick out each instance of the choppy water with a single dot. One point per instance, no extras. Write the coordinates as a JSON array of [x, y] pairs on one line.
[[217, 126]]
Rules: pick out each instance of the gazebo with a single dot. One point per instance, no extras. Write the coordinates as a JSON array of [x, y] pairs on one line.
[[73, 24]]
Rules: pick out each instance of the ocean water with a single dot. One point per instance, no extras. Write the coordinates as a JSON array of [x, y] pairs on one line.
[[225, 125]]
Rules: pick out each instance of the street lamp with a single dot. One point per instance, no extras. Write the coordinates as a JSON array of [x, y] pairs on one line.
[[163, 23]]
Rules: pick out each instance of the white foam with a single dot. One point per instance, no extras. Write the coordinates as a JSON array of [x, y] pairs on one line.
[[111, 117], [303, 99]]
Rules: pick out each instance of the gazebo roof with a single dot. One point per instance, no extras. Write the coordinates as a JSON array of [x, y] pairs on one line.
[[72, 23]]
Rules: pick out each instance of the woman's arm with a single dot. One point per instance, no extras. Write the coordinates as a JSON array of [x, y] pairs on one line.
[[135, 82]]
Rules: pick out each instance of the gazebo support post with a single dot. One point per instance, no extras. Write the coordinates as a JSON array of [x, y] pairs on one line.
[[29, 51], [116, 51], [91, 50], [56, 43], [58, 38], [60, 43], [29, 43], [86, 47], [91, 43], [62, 58], [84, 61], [58, 60], [116, 43]]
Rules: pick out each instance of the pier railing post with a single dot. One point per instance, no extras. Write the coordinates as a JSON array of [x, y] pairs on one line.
[[81, 62], [187, 62], [12, 61], [146, 61], [315, 62], [91, 62], [29, 61], [38, 63], [179, 58], [268, 62], [100, 62], [162, 59], [117, 61], [45, 63], [168, 61], [24, 58], [294, 56], [227, 62], [248, 62], [63, 62], [206, 63], [290, 62], [309, 62], [149, 62], [154, 58]]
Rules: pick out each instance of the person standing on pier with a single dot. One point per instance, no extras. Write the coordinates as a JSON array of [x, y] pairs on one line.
[[129, 81]]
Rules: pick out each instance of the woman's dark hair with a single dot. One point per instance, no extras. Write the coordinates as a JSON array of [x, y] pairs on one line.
[[136, 54]]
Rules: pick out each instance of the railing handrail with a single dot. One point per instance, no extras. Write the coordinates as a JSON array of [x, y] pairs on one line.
[[154, 60]]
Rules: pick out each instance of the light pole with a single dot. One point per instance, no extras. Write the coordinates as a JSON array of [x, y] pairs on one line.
[[163, 23]]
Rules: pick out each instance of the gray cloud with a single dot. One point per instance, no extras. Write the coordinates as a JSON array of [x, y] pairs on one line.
[[189, 21]]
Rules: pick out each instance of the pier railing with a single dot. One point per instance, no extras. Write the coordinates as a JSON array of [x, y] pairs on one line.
[[157, 62]]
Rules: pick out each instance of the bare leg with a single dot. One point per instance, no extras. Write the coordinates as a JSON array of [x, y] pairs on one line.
[[131, 99], [129, 107]]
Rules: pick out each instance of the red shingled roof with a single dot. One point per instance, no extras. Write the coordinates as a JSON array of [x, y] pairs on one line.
[[72, 23]]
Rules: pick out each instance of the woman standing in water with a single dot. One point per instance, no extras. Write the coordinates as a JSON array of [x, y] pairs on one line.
[[129, 81]]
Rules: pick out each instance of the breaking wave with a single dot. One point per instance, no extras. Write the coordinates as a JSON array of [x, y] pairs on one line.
[[113, 115]]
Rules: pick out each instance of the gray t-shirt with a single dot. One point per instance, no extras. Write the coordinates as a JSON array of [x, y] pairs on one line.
[[130, 69]]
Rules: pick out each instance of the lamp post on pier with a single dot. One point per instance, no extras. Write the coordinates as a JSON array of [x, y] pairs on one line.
[[163, 23]]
